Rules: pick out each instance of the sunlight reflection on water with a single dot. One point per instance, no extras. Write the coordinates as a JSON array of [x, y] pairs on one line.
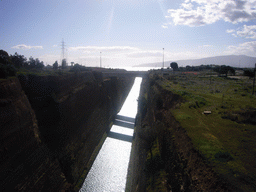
[[129, 108], [109, 170]]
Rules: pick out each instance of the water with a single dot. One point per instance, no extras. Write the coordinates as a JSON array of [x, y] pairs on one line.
[[109, 170]]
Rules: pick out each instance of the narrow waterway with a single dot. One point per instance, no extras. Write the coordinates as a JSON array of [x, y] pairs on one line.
[[109, 170]]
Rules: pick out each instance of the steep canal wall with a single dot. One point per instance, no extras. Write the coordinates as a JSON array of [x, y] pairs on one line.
[[163, 157], [51, 125]]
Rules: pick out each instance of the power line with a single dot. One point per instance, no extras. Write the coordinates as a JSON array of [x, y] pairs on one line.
[[100, 59]]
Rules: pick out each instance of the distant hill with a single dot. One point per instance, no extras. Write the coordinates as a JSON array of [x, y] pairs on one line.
[[231, 60]]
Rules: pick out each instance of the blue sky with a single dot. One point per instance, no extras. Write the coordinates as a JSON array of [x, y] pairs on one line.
[[127, 32]]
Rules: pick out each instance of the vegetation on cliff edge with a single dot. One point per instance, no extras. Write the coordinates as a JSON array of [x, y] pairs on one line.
[[225, 137]]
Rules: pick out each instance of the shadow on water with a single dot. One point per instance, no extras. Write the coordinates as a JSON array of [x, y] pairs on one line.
[[120, 136], [124, 124], [121, 122], [124, 118]]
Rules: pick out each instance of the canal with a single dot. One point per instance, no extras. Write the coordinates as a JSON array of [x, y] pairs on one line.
[[109, 170]]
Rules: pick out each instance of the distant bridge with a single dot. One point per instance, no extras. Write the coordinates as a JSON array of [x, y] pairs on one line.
[[124, 73]]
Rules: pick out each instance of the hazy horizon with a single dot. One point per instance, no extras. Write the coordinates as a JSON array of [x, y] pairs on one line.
[[128, 32]]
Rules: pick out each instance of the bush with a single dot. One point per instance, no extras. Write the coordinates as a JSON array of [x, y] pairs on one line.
[[77, 68], [3, 72], [249, 73], [11, 70], [7, 70], [223, 157]]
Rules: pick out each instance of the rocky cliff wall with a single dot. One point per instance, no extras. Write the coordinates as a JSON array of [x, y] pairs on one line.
[[25, 162], [163, 157], [48, 139]]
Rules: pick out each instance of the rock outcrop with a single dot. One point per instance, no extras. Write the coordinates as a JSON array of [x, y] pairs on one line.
[[51, 125], [26, 163]]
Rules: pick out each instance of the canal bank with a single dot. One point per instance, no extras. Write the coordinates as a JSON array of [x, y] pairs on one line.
[[109, 170], [51, 125], [163, 156]]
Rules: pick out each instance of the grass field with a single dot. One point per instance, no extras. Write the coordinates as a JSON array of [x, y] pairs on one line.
[[227, 136]]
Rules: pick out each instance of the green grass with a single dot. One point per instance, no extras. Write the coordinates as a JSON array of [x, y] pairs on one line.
[[43, 72], [228, 146]]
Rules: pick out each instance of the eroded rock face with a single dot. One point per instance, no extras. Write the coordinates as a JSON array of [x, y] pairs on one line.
[[26, 163], [48, 136], [163, 157]]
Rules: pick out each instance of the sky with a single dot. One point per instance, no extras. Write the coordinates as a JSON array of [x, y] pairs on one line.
[[127, 32]]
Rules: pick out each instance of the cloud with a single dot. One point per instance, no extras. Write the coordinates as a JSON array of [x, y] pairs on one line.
[[92, 49], [131, 53], [187, 6], [247, 48], [205, 46], [120, 56], [246, 31], [164, 26], [26, 47], [230, 30], [203, 12], [106, 50], [141, 54]]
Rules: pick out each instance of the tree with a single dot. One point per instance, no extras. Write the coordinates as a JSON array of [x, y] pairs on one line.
[[39, 64], [223, 69], [4, 57], [32, 62], [249, 73], [35, 63], [188, 68], [77, 68], [18, 60], [232, 70], [7, 70], [6, 67], [55, 65], [174, 66]]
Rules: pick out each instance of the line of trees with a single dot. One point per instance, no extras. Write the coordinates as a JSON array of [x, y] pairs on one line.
[[9, 64], [220, 69], [249, 73], [196, 68], [19, 61], [223, 69], [175, 67]]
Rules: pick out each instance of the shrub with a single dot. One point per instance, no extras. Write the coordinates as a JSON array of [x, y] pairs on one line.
[[249, 73], [3, 72], [7, 70], [223, 156]]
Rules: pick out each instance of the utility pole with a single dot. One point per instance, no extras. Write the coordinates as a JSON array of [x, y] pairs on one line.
[[63, 62], [253, 80], [163, 57], [100, 59], [63, 48]]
